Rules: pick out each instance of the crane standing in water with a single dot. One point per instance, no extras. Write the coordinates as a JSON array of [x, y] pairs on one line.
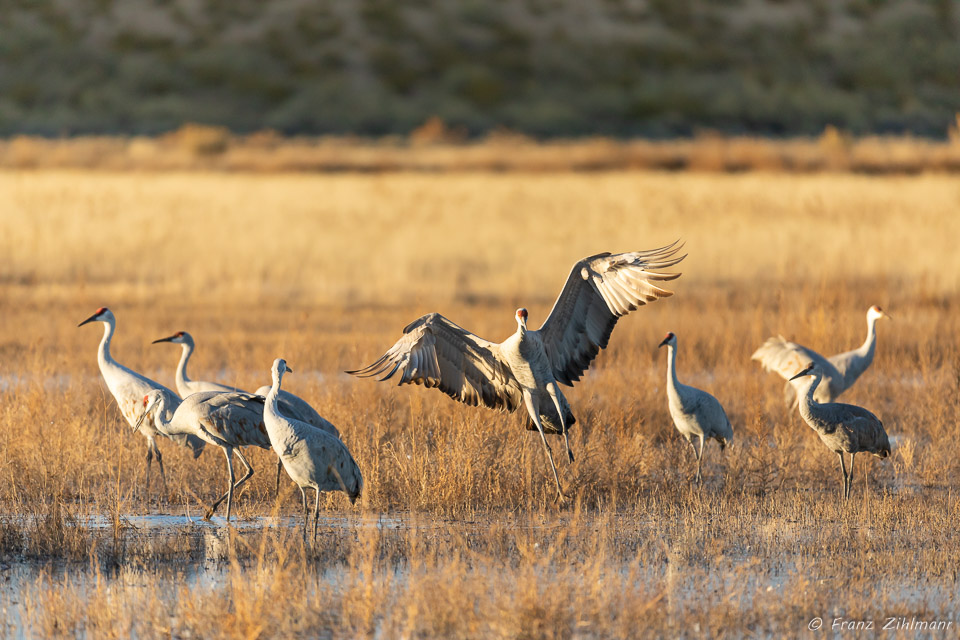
[[311, 457], [226, 419]]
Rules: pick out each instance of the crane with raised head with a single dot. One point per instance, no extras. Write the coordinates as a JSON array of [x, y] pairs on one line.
[[696, 414], [311, 457], [844, 428], [839, 372], [525, 369], [128, 388]]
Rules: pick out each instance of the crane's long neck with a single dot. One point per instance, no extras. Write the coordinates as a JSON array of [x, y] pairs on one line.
[[672, 381], [165, 426], [103, 354], [806, 400], [182, 379], [273, 395], [864, 354], [869, 345]]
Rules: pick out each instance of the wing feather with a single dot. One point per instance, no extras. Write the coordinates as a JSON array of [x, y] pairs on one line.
[[599, 290], [435, 352], [779, 355]]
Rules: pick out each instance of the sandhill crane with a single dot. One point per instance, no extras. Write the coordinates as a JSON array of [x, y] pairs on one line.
[[842, 427], [311, 456], [695, 413], [229, 420], [524, 369], [839, 372], [128, 388], [290, 405]]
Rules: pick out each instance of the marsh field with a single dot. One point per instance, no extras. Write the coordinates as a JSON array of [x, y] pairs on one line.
[[456, 534]]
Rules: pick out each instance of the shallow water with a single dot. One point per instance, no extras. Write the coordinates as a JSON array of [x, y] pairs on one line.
[[171, 551]]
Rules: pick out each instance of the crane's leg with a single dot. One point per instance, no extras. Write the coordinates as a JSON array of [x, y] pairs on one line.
[[163, 476], [534, 412], [228, 452], [248, 474], [246, 477], [276, 492], [316, 514], [700, 462], [850, 475], [303, 497], [154, 450], [552, 390], [696, 456], [843, 470], [149, 462]]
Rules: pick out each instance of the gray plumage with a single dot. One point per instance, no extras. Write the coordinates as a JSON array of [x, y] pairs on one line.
[[290, 405], [226, 419], [311, 457], [299, 409], [696, 414], [844, 428], [783, 357], [524, 369]]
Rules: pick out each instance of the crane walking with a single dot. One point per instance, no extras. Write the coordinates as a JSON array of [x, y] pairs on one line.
[[311, 456], [290, 405], [226, 419], [844, 428], [524, 369], [839, 372], [695, 413], [128, 388]]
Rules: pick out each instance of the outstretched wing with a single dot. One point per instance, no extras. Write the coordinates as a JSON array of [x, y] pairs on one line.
[[598, 291], [437, 353], [787, 359]]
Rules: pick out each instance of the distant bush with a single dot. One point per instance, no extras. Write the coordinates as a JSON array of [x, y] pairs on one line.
[[551, 69]]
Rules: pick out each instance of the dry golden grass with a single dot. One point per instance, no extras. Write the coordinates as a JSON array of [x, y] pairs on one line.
[[325, 270]]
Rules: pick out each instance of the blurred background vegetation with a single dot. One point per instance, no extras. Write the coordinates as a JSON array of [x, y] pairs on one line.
[[546, 68]]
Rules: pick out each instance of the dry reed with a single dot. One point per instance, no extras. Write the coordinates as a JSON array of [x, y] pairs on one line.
[[325, 270]]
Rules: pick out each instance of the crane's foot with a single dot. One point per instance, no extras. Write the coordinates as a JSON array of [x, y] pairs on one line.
[[208, 515]]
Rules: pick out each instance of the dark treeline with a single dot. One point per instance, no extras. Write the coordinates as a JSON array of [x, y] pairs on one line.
[[543, 67]]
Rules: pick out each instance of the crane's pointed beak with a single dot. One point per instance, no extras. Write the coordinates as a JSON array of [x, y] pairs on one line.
[[167, 339], [805, 371], [90, 319], [143, 415], [289, 370], [663, 342], [887, 315]]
